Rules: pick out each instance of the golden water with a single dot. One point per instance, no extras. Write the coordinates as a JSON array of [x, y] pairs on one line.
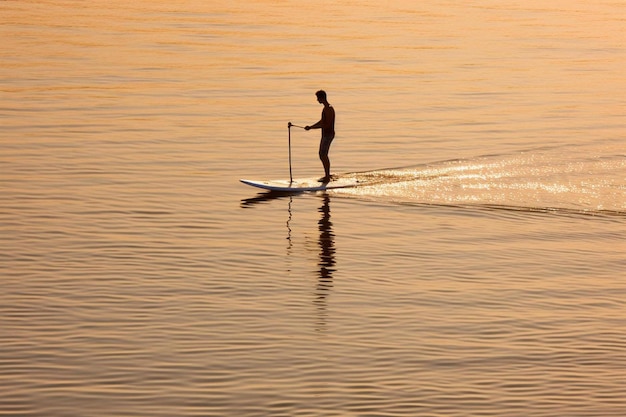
[[481, 271]]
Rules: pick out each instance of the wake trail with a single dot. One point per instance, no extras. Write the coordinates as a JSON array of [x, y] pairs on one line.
[[540, 180]]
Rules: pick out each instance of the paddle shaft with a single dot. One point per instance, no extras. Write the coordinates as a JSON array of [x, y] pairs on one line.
[[290, 175], [289, 124]]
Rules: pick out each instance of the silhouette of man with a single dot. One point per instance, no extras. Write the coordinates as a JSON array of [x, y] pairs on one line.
[[327, 124]]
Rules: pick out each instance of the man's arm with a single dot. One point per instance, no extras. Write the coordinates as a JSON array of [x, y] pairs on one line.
[[317, 125], [326, 120]]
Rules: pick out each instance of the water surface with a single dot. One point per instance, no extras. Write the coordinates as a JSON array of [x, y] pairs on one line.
[[478, 270]]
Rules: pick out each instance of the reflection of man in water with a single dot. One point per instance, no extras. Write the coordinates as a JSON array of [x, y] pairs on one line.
[[327, 124], [327, 251]]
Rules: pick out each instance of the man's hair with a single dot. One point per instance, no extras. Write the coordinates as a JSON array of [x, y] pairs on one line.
[[321, 94]]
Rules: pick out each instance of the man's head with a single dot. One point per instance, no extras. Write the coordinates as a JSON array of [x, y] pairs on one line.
[[321, 96]]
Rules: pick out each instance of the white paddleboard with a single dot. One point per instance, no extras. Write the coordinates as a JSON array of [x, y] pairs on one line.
[[302, 184]]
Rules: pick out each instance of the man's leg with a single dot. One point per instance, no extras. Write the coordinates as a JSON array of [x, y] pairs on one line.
[[324, 148], [326, 163]]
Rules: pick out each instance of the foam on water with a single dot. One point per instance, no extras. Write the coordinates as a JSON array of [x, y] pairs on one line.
[[538, 180]]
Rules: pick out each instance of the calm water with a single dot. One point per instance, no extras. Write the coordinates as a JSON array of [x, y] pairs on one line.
[[479, 270]]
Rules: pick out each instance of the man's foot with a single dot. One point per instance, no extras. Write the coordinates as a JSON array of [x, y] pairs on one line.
[[326, 179]]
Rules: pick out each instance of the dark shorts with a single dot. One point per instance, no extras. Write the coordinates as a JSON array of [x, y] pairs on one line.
[[325, 144]]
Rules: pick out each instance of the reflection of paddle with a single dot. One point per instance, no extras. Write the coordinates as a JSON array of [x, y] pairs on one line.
[[289, 124]]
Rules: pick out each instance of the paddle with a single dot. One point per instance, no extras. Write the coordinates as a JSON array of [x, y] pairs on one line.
[[289, 124]]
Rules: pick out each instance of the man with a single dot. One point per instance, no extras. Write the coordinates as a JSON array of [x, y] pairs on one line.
[[327, 124]]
